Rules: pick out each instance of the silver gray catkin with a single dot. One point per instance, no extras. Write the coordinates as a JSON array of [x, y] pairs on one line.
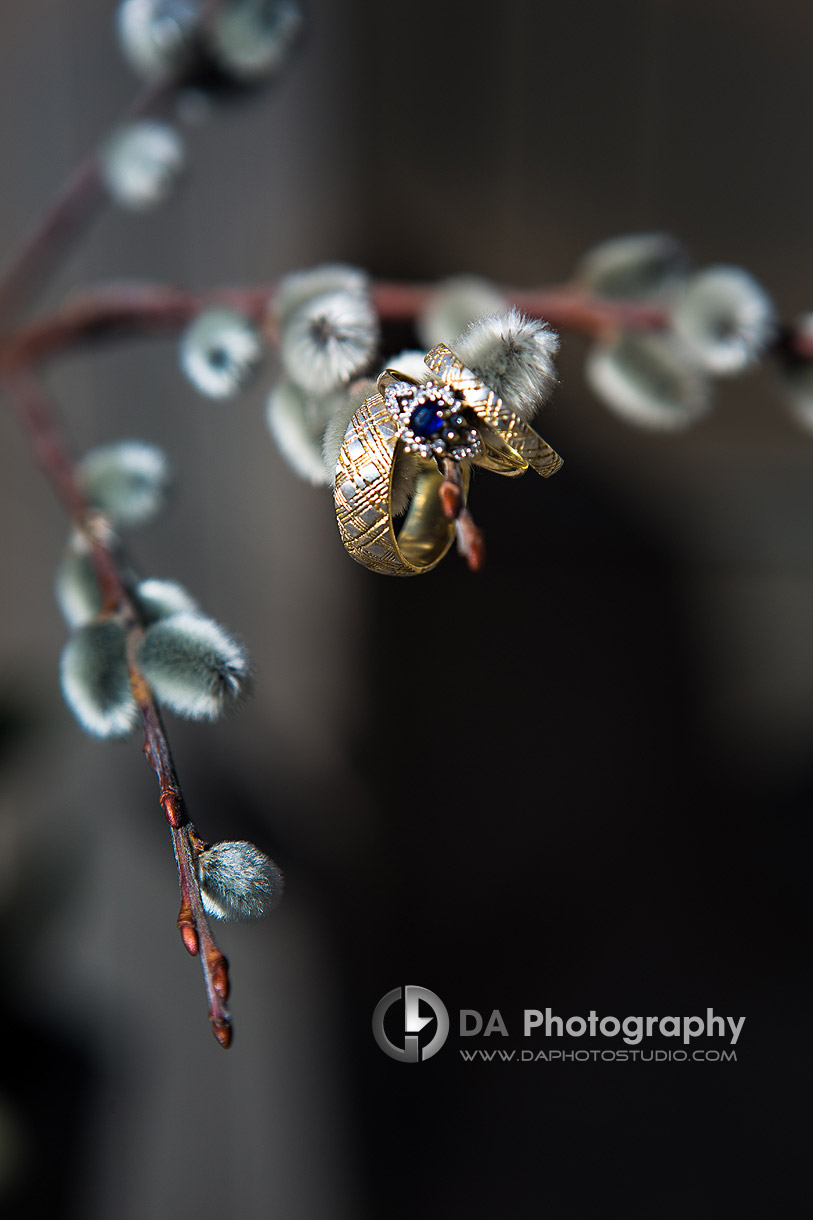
[[238, 881]]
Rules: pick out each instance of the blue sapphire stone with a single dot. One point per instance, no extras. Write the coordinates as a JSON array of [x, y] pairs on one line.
[[426, 421]]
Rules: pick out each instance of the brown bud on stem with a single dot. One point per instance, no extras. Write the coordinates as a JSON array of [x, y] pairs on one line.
[[186, 927], [451, 501], [221, 1028], [470, 541], [220, 977]]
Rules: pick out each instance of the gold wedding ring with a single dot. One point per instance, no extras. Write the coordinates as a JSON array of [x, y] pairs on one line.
[[363, 498], [526, 446], [373, 446]]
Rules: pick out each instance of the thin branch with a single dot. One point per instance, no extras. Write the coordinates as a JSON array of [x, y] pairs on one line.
[[71, 212], [470, 539], [193, 922], [41, 250], [37, 418], [118, 310], [46, 439], [563, 306], [196, 933]]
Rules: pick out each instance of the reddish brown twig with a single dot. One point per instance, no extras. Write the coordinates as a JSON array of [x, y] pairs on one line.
[[470, 539], [117, 310], [75, 205], [37, 419], [193, 923], [565, 307], [46, 440]]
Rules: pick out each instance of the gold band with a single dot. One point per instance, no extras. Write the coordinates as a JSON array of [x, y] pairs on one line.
[[372, 447], [519, 437], [363, 498]]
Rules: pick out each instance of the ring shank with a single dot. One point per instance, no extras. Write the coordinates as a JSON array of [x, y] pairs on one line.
[[518, 436], [363, 499], [371, 452]]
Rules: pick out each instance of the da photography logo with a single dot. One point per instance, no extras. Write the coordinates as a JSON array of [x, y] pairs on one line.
[[412, 1024]]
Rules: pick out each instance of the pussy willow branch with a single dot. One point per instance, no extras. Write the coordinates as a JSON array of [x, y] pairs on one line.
[[470, 540], [115, 311], [76, 204], [564, 306], [119, 310], [71, 212], [193, 923], [38, 420]]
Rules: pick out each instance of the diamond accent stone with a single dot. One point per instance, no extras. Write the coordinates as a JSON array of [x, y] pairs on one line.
[[430, 420]]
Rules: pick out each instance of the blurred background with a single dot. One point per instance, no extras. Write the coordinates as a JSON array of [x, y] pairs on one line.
[[601, 801]]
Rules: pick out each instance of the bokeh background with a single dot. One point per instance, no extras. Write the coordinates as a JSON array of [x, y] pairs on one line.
[[581, 779]]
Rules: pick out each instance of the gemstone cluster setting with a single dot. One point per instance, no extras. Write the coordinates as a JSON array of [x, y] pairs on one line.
[[430, 420]]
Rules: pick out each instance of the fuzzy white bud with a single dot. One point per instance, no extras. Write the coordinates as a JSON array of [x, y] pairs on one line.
[[328, 340], [95, 682], [154, 35], [128, 481], [454, 305], [219, 351], [252, 40], [299, 287], [411, 363], [638, 267], [141, 163], [238, 881], [157, 599], [76, 587], [513, 355], [649, 380], [725, 318], [297, 422], [193, 665], [339, 423], [405, 474]]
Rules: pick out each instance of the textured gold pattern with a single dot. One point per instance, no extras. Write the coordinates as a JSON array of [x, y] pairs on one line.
[[370, 450], [363, 505], [517, 435]]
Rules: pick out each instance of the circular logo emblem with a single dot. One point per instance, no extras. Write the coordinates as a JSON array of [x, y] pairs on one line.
[[413, 997]]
